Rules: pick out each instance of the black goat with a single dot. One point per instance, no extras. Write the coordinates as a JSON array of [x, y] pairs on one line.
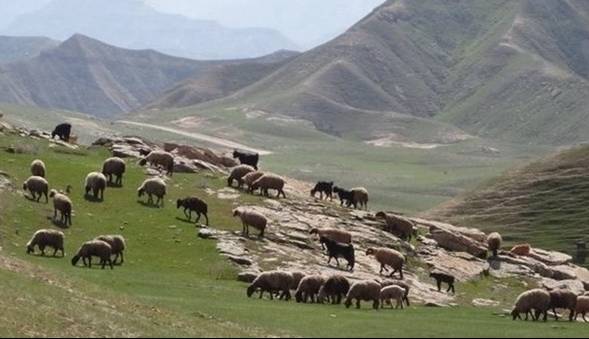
[[345, 196], [443, 277], [323, 187], [63, 131], [194, 204], [246, 158], [337, 250]]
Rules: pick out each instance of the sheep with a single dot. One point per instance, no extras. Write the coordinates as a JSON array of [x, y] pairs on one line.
[[250, 178], [564, 299], [63, 131], [37, 186], [333, 234], [159, 159], [250, 218], [47, 238], [364, 290], [309, 288], [336, 250], [360, 197], [334, 289], [194, 204], [247, 158], [151, 187], [441, 277], [536, 300], [114, 167], [94, 248], [388, 257], [401, 284], [269, 181], [393, 292], [345, 196], [401, 227], [237, 174], [494, 241], [296, 279], [521, 250], [64, 205], [323, 187], [272, 281], [117, 244], [38, 168], [95, 182], [582, 307]]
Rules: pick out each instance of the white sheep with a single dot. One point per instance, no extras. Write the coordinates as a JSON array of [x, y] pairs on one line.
[[582, 307], [37, 186], [494, 241], [117, 244], [250, 178], [64, 205], [272, 282], [47, 238], [151, 187], [114, 167], [38, 168], [388, 257], [94, 248], [393, 292], [95, 182], [340, 236], [364, 291], [159, 159], [237, 174], [360, 197], [536, 300], [267, 182], [250, 218], [309, 288], [335, 287]]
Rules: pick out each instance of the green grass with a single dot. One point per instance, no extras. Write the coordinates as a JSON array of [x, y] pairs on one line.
[[174, 284]]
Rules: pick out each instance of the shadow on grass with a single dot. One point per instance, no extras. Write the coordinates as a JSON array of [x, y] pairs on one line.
[[93, 199], [58, 223], [148, 205]]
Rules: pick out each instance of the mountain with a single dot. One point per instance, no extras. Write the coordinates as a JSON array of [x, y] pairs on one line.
[[221, 81], [513, 70], [22, 48], [544, 202], [85, 75], [133, 24]]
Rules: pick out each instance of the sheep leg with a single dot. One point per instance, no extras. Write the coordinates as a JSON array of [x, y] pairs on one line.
[[571, 315], [584, 319], [439, 282], [42, 248], [55, 252], [110, 263], [197, 216], [90, 262], [188, 214], [358, 303], [122, 258], [206, 219], [337, 261], [555, 314]]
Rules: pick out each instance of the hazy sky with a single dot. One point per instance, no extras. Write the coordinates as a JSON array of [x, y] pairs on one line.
[[307, 22]]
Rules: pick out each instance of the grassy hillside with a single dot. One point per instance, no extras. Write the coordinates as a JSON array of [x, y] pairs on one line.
[[544, 203], [174, 284]]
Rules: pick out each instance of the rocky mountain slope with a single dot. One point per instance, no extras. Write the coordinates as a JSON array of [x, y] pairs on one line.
[[23, 48]]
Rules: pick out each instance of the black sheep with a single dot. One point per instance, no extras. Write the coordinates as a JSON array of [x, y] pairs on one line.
[[193, 204], [336, 250], [246, 158], [345, 196], [323, 187], [63, 131], [443, 277]]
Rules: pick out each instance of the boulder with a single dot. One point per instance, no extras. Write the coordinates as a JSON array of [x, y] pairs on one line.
[[457, 242], [550, 258], [207, 233], [243, 261], [485, 303], [522, 249], [471, 233], [575, 286]]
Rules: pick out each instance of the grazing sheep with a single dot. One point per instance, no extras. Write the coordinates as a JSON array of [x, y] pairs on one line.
[[95, 182], [563, 299], [64, 205], [63, 131], [247, 158], [388, 257], [309, 288], [401, 284], [237, 174], [522, 250], [446, 278], [37, 186], [335, 288], [360, 197], [114, 167], [251, 218], [94, 248], [401, 227], [159, 159], [494, 241], [323, 187], [393, 292], [46, 238], [250, 178], [151, 187], [194, 204], [582, 307], [38, 168], [345, 196], [117, 244], [272, 282], [364, 290], [267, 182], [333, 234], [336, 250], [536, 300]]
